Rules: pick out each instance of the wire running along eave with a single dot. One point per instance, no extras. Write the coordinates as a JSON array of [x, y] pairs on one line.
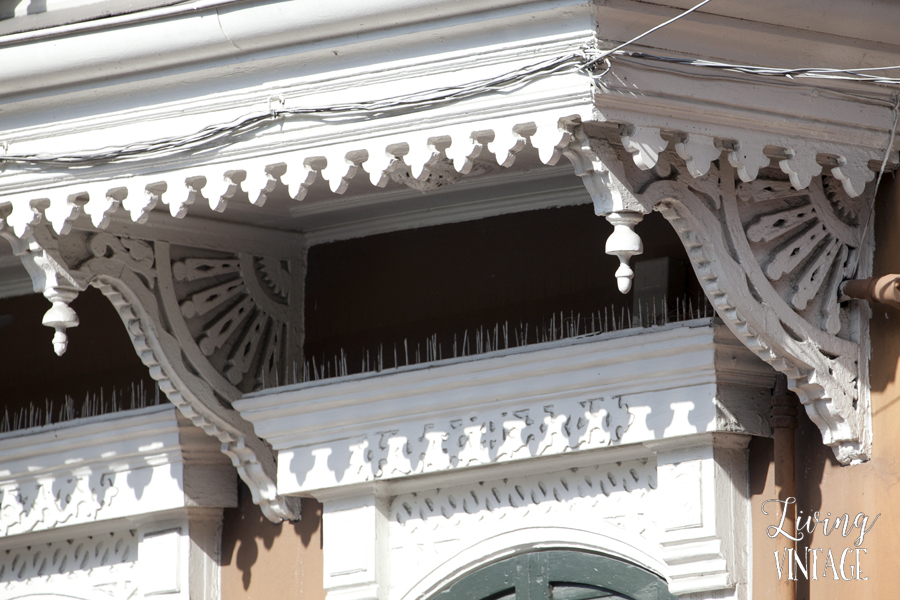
[[586, 61], [412, 102]]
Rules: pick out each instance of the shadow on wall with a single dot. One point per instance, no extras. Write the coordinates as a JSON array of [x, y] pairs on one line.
[[8, 8], [271, 559], [812, 459], [884, 363]]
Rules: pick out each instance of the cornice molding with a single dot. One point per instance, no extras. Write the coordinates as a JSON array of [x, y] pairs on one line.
[[766, 32], [809, 112], [539, 401], [422, 155], [121, 465], [215, 31]]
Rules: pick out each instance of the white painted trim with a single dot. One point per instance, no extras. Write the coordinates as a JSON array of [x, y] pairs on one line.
[[210, 31], [489, 196], [609, 390], [600, 537], [603, 365], [439, 528], [120, 465]]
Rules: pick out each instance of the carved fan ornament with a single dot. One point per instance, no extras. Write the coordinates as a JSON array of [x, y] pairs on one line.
[[208, 324], [770, 259], [770, 248], [236, 310]]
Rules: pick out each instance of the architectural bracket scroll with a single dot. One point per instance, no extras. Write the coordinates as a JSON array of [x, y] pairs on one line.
[[770, 258], [209, 325]]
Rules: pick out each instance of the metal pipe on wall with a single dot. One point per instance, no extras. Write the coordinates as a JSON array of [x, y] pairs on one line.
[[884, 290]]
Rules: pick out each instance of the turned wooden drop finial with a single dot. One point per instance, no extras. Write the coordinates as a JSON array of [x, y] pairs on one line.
[[624, 243], [60, 316]]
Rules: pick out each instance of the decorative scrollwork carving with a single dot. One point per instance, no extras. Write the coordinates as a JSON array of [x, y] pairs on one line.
[[105, 562], [44, 504], [428, 527], [465, 441], [235, 308], [770, 259], [800, 244], [486, 499], [770, 256], [208, 324]]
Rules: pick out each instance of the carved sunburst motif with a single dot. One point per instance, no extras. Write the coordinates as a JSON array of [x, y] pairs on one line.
[[771, 259], [846, 207], [804, 247], [236, 309]]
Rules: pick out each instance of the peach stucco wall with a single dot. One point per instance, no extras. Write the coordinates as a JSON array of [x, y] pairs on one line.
[[265, 561]]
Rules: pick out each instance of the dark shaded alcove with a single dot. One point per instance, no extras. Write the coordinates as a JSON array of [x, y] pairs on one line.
[[445, 280], [100, 357]]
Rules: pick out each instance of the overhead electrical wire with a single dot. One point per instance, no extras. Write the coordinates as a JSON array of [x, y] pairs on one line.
[[585, 60], [860, 74], [405, 103], [606, 54]]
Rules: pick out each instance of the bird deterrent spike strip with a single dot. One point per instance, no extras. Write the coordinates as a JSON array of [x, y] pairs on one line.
[[470, 342], [36, 415], [481, 340]]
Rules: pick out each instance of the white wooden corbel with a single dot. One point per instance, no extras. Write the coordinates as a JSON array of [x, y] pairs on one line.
[[143, 283], [769, 253], [52, 278], [603, 173]]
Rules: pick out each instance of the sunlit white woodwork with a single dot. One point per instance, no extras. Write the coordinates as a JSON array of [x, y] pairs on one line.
[[181, 306], [129, 503], [623, 244], [425, 466], [767, 183]]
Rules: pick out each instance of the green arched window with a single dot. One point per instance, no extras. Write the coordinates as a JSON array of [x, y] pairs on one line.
[[559, 575]]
